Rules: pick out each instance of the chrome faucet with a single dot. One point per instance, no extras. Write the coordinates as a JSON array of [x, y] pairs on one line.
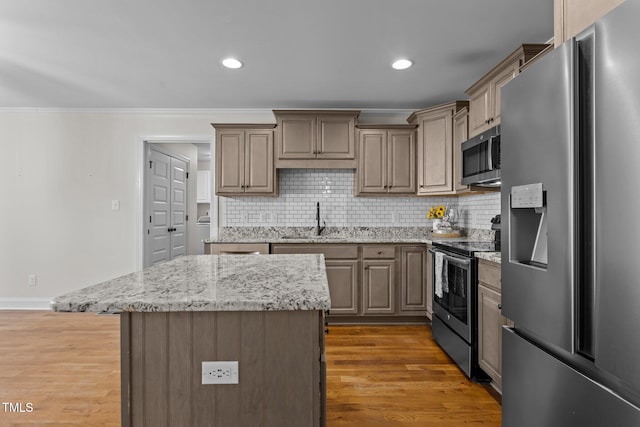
[[319, 229]]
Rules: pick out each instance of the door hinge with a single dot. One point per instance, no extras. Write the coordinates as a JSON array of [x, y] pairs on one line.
[[150, 164], [187, 175], [187, 218], [148, 231], [149, 219]]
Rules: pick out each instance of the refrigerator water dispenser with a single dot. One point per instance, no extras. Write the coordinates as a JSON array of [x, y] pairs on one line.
[[528, 225]]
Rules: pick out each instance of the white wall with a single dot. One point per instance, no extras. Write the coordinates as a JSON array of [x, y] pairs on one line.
[[61, 171]]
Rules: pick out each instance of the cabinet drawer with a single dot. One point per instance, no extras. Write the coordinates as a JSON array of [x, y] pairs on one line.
[[489, 274], [236, 248], [329, 251], [378, 252]]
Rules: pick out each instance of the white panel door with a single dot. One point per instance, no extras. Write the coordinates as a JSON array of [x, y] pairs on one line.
[[178, 207], [159, 186], [167, 208]]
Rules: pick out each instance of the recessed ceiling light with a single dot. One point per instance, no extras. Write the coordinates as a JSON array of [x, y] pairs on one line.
[[231, 63], [402, 64]]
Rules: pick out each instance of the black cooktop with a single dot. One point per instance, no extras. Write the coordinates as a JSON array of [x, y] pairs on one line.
[[466, 248]]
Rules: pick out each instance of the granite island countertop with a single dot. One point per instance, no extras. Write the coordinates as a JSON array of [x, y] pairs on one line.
[[211, 283]]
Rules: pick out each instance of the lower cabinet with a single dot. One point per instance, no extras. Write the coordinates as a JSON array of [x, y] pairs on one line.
[[342, 276], [490, 321], [414, 265], [378, 287], [372, 283]]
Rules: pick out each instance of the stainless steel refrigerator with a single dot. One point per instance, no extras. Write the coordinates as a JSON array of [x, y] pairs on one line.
[[571, 232]]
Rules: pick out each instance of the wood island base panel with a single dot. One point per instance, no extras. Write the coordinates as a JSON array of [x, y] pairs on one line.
[[280, 372]]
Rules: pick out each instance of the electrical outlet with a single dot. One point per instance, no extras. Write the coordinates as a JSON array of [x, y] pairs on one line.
[[221, 372], [394, 218], [115, 205], [33, 280], [244, 218]]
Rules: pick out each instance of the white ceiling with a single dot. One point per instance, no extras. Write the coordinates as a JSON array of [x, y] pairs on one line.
[[297, 53]]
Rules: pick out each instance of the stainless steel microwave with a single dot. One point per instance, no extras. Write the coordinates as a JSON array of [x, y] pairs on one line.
[[481, 159]]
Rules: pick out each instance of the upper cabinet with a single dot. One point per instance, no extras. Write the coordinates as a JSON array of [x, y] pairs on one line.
[[435, 148], [460, 135], [572, 16], [315, 139], [386, 160], [484, 95], [244, 160]]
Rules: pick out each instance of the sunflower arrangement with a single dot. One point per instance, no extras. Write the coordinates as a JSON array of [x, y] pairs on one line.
[[436, 212]]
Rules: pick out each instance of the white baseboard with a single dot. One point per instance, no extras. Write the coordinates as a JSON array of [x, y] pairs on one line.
[[25, 303]]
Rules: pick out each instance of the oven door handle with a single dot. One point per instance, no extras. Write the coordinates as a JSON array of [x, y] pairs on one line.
[[456, 260]]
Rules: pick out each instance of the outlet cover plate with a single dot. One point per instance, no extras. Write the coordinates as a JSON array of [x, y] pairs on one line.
[[220, 372]]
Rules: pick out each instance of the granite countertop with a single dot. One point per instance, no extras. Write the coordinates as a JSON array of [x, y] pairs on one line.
[[490, 256], [356, 235], [211, 283]]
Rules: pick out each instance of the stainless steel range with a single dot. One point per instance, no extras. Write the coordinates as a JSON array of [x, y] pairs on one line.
[[455, 300]]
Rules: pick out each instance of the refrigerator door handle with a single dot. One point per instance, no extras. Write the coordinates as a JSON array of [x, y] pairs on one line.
[[586, 197]]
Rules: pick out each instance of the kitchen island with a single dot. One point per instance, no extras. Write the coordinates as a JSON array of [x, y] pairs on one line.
[[263, 311]]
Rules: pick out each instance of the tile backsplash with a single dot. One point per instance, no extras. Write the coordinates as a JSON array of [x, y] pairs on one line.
[[301, 189]]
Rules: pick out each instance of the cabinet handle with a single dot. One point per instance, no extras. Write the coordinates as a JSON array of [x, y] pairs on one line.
[[499, 306], [366, 268], [379, 252], [491, 120]]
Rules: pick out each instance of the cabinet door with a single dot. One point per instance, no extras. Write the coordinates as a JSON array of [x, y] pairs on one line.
[[573, 16], [378, 287], [296, 137], [460, 135], [497, 83], [204, 187], [435, 151], [479, 111], [342, 276], [429, 281], [259, 171], [401, 162], [413, 283], [372, 161], [490, 323], [336, 137], [230, 161]]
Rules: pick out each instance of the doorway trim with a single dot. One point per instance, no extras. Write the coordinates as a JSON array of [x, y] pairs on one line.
[[140, 162]]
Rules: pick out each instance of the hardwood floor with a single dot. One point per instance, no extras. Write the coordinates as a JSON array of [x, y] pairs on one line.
[[67, 365], [398, 376]]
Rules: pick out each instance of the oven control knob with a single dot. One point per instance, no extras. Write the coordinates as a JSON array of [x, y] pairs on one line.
[[448, 317]]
